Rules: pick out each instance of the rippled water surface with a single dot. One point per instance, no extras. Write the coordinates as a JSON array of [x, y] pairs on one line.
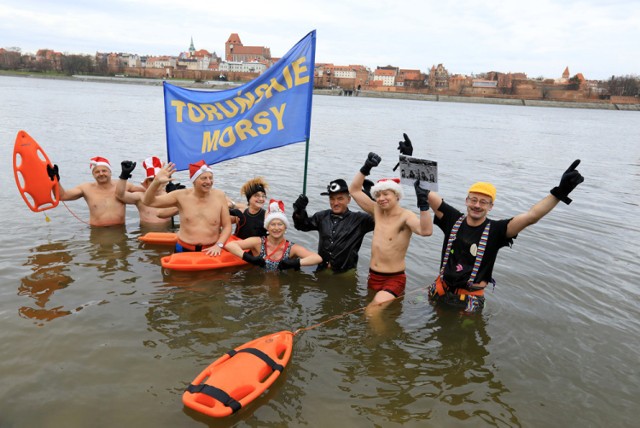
[[93, 331]]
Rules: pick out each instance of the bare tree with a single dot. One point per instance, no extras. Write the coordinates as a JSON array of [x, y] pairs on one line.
[[628, 85]]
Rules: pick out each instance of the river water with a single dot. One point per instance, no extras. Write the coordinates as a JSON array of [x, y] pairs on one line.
[[93, 331]]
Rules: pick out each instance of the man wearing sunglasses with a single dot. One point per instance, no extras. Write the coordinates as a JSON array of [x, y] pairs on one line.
[[472, 240], [340, 230]]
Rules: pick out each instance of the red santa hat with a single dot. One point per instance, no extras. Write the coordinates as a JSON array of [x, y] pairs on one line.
[[195, 169], [275, 211], [151, 166], [387, 184], [99, 161]]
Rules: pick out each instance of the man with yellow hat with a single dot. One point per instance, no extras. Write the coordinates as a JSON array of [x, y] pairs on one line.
[[472, 240]]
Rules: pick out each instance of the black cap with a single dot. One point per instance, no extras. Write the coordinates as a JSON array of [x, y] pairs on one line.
[[336, 186]]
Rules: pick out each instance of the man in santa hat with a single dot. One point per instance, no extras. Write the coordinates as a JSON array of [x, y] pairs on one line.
[[149, 216], [393, 229], [104, 208], [205, 224]]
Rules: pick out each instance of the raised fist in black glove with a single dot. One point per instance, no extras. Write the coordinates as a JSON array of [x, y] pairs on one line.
[[366, 188], [52, 172], [289, 264], [570, 179], [422, 195], [171, 186], [254, 260], [301, 203], [405, 146], [127, 168], [372, 161]]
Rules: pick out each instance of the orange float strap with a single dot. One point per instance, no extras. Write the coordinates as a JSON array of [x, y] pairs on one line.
[[240, 376], [30, 171]]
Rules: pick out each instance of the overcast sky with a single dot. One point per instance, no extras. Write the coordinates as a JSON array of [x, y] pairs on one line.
[[598, 38]]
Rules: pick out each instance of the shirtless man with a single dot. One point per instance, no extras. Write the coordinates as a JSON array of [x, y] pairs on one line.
[[394, 226], [148, 215], [104, 208], [205, 224]]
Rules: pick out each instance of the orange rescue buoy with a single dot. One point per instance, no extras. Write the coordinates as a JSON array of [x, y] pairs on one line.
[[240, 376], [159, 238], [30, 171], [197, 260]]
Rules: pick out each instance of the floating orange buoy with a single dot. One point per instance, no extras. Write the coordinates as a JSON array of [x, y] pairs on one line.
[[197, 260], [240, 376], [30, 171], [159, 238]]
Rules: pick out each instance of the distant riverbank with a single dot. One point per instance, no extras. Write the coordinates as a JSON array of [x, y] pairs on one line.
[[219, 85]]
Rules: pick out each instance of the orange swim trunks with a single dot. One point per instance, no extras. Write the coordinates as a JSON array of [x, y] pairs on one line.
[[393, 283]]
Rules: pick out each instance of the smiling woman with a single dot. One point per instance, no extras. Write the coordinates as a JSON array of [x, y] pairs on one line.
[[273, 252]]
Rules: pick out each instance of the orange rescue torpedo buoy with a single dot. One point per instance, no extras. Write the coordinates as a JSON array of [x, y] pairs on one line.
[[240, 376], [197, 260], [159, 238], [30, 171]]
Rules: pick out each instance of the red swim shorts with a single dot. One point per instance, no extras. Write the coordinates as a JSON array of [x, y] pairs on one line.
[[393, 283]]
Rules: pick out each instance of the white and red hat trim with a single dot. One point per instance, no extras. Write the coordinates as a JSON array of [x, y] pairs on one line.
[[275, 211], [388, 184], [152, 166], [196, 169], [99, 161]]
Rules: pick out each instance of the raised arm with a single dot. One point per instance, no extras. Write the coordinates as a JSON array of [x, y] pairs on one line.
[[65, 195], [301, 220], [569, 181], [163, 176], [355, 188], [424, 226], [122, 194]]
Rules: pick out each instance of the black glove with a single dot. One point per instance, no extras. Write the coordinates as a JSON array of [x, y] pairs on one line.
[[372, 160], [405, 146], [254, 260], [52, 172], [301, 203], [289, 264], [366, 188], [422, 195], [570, 179], [171, 186], [127, 168]]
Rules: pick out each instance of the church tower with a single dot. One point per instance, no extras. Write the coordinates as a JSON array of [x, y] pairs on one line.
[[192, 49]]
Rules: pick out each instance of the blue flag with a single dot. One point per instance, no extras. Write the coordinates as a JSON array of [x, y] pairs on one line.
[[271, 111]]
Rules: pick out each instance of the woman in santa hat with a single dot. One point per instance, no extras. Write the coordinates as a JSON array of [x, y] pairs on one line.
[[273, 252]]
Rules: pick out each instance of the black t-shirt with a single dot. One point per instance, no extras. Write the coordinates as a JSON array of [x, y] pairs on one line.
[[463, 251], [249, 224]]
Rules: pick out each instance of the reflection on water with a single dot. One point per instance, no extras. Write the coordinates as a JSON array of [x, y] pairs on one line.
[[49, 264], [110, 249], [460, 373]]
